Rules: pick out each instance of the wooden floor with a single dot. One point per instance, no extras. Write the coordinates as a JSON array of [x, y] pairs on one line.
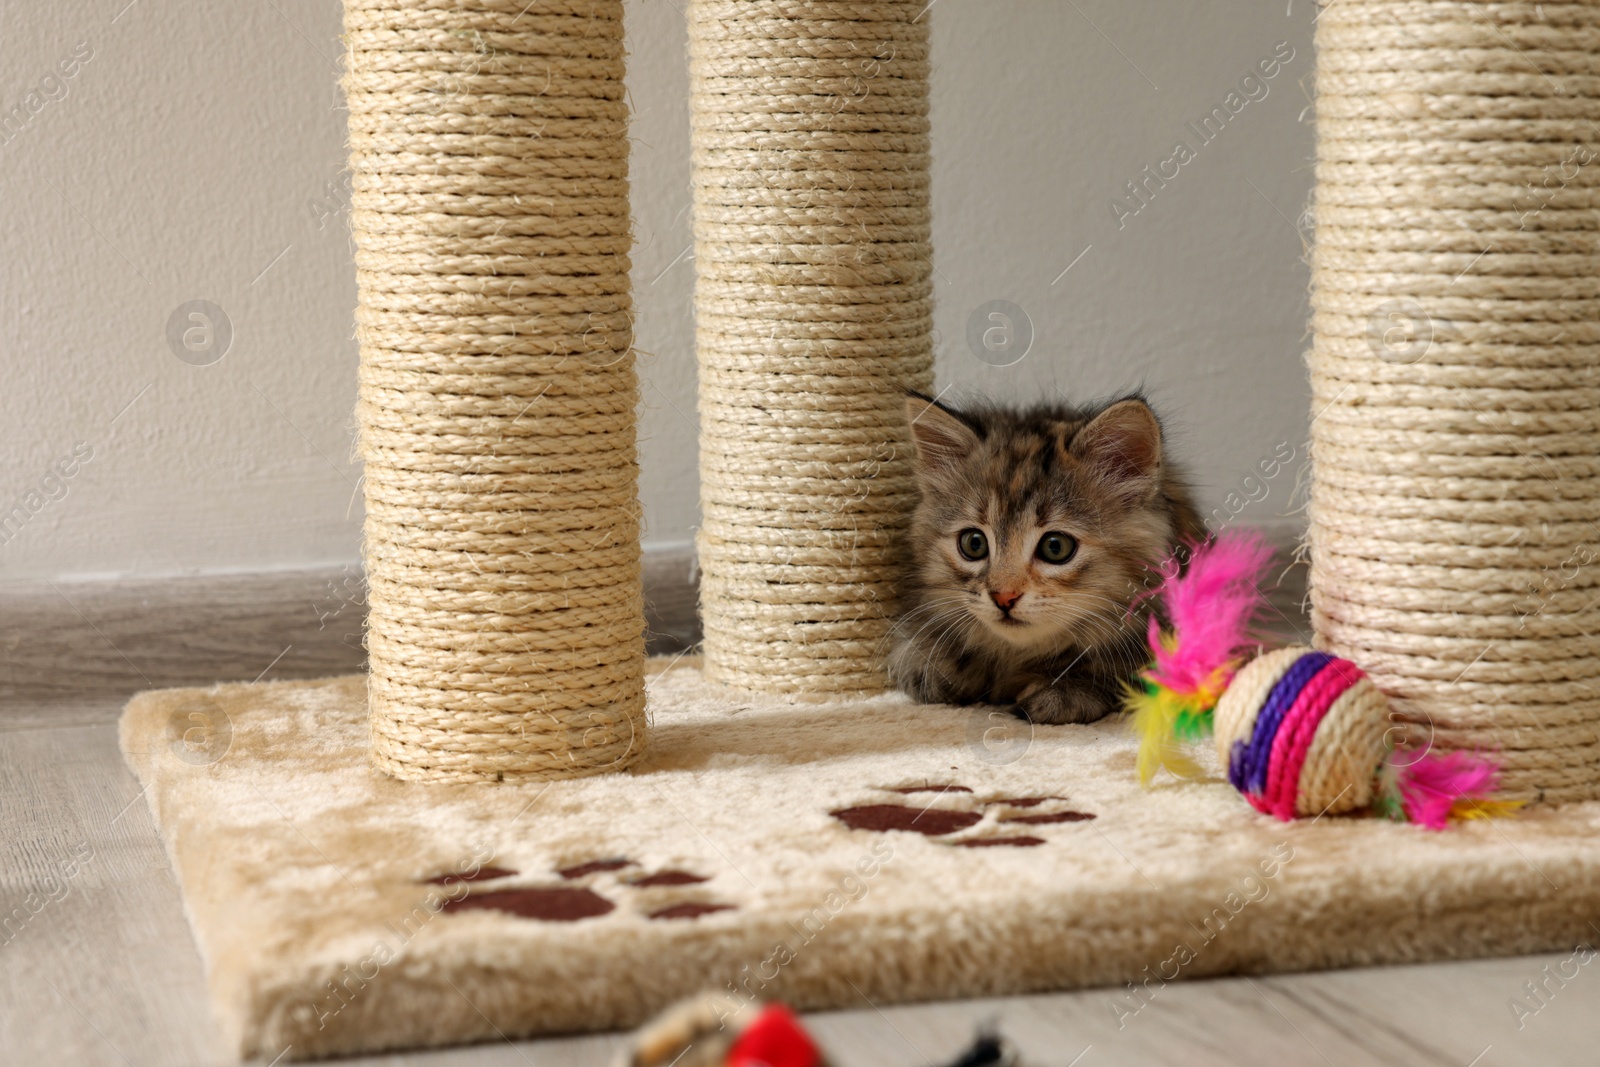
[[106, 972]]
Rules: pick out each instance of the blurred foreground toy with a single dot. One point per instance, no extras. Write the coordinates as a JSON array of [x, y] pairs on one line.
[[1301, 733], [706, 1031]]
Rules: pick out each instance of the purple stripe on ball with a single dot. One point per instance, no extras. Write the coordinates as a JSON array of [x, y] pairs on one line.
[[1248, 764]]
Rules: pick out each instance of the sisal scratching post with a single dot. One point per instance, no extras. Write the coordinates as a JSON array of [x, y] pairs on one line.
[[813, 316], [1456, 373], [490, 210]]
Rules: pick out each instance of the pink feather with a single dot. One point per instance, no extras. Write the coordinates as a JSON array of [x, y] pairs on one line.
[[1209, 609], [1431, 784]]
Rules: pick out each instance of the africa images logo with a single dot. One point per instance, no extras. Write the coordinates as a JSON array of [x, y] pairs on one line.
[[1253, 86]]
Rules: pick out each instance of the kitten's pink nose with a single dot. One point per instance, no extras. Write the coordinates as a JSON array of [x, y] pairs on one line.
[[1004, 601]]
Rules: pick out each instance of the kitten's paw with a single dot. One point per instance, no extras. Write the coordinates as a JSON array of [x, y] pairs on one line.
[[1056, 705]]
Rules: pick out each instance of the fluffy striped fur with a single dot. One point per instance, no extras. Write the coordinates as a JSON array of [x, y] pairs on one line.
[[1056, 639]]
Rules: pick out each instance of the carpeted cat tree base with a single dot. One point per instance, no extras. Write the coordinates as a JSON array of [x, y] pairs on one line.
[[826, 855]]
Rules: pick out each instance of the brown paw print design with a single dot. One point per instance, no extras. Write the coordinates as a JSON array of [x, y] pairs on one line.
[[570, 903], [948, 821]]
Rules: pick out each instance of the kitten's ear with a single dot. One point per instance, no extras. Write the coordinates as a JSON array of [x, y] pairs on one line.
[[1121, 446], [942, 437]]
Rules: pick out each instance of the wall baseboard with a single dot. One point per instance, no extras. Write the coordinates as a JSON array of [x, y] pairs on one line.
[[72, 640]]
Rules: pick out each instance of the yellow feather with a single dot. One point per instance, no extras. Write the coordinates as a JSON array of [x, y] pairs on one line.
[[1155, 717], [1470, 808]]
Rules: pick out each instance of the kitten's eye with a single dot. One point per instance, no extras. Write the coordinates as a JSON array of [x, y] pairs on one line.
[[1057, 547], [973, 544]]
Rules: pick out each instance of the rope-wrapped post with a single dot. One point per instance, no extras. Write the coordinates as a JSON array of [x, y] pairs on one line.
[[1456, 373], [488, 144], [813, 315]]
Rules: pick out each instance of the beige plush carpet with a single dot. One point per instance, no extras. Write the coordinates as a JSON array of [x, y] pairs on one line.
[[829, 855]]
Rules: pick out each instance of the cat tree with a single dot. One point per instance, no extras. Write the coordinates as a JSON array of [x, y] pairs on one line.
[[813, 315], [1456, 373], [1454, 494], [489, 159], [1456, 456]]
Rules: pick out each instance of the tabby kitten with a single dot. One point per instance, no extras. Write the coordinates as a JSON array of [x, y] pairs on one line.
[[1037, 533]]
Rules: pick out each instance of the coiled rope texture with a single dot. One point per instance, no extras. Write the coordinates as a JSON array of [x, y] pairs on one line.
[[488, 144], [813, 308], [1302, 734], [1456, 373]]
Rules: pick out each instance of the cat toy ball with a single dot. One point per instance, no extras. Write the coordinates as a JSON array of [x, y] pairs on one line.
[[703, 1032], [1301, 733]]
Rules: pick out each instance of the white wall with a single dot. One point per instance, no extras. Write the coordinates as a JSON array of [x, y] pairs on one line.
[[196, 155]]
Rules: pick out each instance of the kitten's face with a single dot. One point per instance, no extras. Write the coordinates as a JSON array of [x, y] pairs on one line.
[[1035, 534]]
